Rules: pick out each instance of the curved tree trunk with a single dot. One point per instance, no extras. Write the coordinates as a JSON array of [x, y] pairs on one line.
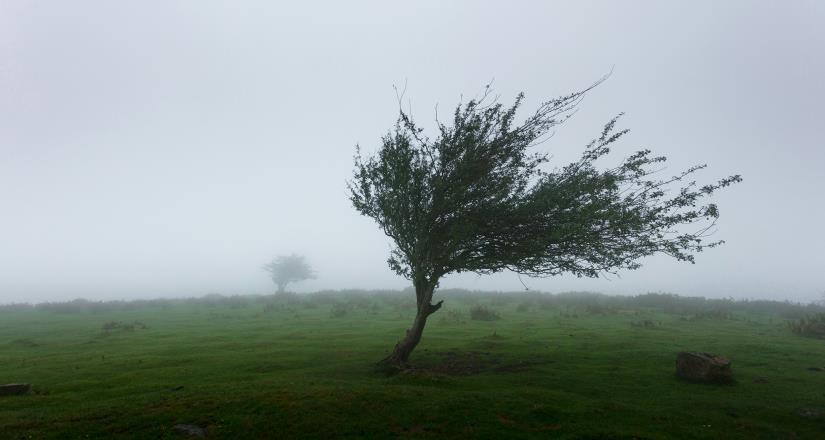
[[404, 347]]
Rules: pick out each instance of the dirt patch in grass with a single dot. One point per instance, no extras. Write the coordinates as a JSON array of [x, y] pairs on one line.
[[514, 367], [24, 343], [467, 363]]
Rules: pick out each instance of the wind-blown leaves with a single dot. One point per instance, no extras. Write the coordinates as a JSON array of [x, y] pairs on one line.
[[477, 199]]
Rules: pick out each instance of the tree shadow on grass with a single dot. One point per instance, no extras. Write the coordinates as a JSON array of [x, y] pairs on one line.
[[460, 363]]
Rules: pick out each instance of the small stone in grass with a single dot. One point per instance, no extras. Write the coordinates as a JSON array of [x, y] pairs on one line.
[[190, 430]]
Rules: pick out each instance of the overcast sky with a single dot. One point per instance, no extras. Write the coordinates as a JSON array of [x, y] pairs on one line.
[[166, 148]]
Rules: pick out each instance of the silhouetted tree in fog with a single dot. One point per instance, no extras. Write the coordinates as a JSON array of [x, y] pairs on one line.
[[289, 269], [476, 199]]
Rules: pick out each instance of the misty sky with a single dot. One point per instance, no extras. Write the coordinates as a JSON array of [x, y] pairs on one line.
[[168, 148]]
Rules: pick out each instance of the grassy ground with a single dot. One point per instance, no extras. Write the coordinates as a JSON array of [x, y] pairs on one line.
[[290, 368]]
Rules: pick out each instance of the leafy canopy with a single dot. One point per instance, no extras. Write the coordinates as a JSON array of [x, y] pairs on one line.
[[287, 269], [476, 197]]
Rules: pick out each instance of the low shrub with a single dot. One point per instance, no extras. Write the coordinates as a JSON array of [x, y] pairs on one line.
[[359, 302], [599, 309], [276, 307], [811, 325], [482, 313], [15, 307], [646, 323], [452, 317], [111, 326], [403, 302], [340, 310], [716, 314]]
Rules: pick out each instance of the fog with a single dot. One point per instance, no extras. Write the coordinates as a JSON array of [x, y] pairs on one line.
[[161, 148]]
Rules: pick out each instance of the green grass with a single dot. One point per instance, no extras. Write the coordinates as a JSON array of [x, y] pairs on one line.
[[303, 368]]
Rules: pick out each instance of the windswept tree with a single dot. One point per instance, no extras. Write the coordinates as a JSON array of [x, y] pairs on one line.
[[289, 269], [476, 198]]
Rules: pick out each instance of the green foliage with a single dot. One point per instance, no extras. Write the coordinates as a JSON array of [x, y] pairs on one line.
[[812, 325], [482, 313], [599, 309], [288, 269], [476, 198], [453, 316], [340, 310], [645, 323], [400, 301], [112, 326]]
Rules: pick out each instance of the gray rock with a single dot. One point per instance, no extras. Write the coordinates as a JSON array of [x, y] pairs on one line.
[[811, 412], [15, 389], [703, 367], [190, 430]]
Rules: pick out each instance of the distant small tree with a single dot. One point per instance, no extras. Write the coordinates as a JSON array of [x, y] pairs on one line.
[[289, 269], [474, 199]]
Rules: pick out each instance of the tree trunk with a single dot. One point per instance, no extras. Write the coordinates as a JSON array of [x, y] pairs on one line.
[[404, 347]]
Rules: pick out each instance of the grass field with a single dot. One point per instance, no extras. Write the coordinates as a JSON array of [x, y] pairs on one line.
[[303, 367]]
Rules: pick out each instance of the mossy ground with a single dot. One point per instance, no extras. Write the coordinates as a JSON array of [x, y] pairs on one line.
[[302, 368]]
